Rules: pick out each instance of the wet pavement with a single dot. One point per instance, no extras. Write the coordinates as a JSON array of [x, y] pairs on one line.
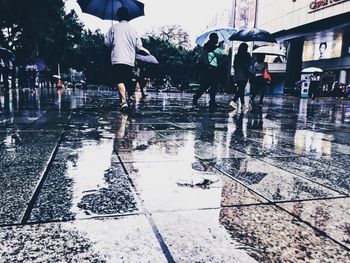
[[80, 182]]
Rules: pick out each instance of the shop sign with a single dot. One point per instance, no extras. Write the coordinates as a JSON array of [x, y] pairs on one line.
[[317, 5]]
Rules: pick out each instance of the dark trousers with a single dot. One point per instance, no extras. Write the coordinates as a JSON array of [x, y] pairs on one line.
[[240, 92], [259, 87], [210, 80], [313, 88]]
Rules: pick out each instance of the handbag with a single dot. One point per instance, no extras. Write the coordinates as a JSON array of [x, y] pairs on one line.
[[267, 75]]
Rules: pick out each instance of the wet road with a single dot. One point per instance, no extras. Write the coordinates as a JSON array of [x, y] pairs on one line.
[[80, 182]]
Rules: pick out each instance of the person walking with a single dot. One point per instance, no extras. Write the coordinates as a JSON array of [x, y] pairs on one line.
[[212, 53], [259, 82], [314, 86], [123, 40], [139, 78], [242, 66]]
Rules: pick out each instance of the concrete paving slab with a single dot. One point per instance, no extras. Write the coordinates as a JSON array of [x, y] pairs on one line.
[[271, 182], [182, 185], [330, 216], [125, 239]]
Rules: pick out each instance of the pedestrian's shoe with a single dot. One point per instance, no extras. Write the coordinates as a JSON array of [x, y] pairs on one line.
[[124, 107], [233, 104], [194, 101]]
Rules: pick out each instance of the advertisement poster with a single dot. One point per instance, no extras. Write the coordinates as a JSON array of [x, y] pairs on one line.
[[317, 48], [245, 14]]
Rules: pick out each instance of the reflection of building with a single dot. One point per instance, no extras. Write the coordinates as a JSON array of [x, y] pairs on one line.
[[316, 33]]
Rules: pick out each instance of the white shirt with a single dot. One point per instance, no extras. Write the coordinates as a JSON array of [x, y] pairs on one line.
[[124, 42]]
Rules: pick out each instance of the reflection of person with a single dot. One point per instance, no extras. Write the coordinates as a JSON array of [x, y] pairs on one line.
[[322, 48], [210, 75], [124, 42], [242, 64]]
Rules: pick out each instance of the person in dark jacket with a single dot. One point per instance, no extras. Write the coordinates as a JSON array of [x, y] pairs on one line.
[[242, 66]]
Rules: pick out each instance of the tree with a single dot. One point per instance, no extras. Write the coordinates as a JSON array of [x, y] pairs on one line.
[[38, 28], [94, 58], [174, 34], [176, 62]]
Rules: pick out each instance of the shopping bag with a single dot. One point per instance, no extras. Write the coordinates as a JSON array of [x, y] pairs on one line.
[[266, 75]]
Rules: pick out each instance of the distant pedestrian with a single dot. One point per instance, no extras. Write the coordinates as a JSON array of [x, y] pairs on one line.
[[32, 74], [212, 54], [139, 78], [314, 86], [123, 40], [242, 66], [259, 82]]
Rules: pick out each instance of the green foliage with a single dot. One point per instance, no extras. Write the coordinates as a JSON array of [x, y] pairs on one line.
[[175, 62], [38, 28], [41, 28]]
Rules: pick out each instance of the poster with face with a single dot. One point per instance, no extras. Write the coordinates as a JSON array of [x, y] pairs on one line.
[[323, 50], [317, 49]]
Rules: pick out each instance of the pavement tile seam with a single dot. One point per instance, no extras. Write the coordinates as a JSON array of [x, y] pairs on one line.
[[321, 232], [304, 177], [312, 199], [241, 182], [148, 215], [298, 175], [43, 222], [42, 179]]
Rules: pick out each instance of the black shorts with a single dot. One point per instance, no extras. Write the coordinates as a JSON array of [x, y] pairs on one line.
[[122, 73]]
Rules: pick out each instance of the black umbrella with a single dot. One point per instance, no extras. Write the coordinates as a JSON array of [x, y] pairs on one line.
[[6, 54], [106, 9], [254, 34]]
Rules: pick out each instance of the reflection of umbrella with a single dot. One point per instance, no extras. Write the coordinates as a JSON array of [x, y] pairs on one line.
[[40, 64], [253, 34], [149, 59], [269, 50], [6, 53], [106, 9], [311, 70], [223, 34]]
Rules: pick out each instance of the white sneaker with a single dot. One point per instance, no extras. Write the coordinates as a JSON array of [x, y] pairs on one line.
[[233, 104]]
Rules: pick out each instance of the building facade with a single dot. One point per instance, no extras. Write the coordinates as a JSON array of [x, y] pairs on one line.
[[315, 33]]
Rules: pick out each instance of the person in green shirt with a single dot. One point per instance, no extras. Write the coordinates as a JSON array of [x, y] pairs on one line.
[[210, 72]]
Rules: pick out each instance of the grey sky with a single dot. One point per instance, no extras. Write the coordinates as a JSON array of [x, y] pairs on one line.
[[192, 15]]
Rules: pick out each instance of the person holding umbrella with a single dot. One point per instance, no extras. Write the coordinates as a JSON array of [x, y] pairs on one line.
[[242, 66], [123, 40], [212, 53]]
